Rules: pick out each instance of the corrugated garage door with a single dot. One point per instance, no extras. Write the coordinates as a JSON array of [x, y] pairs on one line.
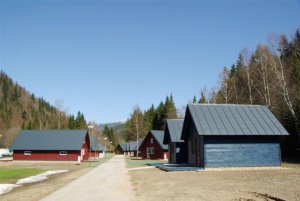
[[241, 154]]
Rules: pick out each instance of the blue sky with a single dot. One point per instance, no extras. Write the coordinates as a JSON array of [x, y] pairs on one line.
[[104, 57]]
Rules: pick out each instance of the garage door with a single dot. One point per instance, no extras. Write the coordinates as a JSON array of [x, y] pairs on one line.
[[241, 154]]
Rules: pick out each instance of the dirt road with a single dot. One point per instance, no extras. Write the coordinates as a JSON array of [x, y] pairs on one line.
[[109, 181]]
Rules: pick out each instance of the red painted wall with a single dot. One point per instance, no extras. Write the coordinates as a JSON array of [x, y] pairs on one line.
[[54, 155], [158, 151], [46, 155], [86, 146]]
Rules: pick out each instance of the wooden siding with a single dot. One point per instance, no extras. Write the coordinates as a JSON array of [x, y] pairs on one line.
[[181, 152], [172, 153], [119, 150], [46, 155], [193, 149], [86, 148], [158, 152], [241, 152], [53, 155]]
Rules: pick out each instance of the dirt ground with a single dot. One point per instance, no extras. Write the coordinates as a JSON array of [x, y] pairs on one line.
[[36, 191], [218, 184]]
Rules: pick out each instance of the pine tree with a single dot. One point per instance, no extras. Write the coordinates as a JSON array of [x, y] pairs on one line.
[[194, 100], [203, 98]]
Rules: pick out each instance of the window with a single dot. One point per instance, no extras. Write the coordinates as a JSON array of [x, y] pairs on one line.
[[151, 140], [151, 150], [27, 153], [63, 153]]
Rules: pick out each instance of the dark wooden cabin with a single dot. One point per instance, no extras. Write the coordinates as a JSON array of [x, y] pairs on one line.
[[232, 135], [178, 149]]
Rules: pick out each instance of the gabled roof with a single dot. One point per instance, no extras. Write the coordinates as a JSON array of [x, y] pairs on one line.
[[49, 140], [159, 136], [95, 146], [214, 119], [173, 131], [133, 145], [123, 146], [101, 147]]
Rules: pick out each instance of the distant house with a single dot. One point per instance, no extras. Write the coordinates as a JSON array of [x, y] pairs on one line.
[[153, 147], [132, 147], [121, 149], [51, 145], [232, 135], [97, 150], [178, 149]]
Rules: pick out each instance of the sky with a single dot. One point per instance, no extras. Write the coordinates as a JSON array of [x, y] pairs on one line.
[[104, 57]]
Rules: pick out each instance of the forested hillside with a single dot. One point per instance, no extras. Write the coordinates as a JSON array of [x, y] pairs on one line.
[[20, 109]]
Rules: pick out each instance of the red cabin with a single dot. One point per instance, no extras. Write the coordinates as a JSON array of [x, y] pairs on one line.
[[51, 145], [153, 147]]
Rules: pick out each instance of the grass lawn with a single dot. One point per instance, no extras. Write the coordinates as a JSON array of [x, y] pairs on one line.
[[11, 175]]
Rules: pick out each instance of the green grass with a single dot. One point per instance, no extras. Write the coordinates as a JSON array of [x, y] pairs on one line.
[[11, 175]]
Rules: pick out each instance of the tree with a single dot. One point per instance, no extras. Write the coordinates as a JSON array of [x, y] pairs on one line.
[[110, 134], [80, 121], [194, 100], [170, 108], [224, 85], [149, 116], [135, 127], [202, 98], [72, 122], [59, 106]]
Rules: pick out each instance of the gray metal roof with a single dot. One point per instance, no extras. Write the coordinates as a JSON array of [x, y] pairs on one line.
[[173, 131], [95, 146], [101, 147], [214, 119], [159, 136], [123, 146], [133, 145], [49, 140]]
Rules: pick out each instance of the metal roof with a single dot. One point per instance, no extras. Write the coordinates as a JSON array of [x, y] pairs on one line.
[[95, 146], [123, 146], [173, 131], [49, 140], [133, 145], [214, 119], [159, 136]]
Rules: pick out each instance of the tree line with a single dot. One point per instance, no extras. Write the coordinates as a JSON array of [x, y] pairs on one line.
[[140, 122]]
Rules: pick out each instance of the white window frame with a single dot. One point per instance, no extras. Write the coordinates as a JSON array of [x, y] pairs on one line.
[[151, 140], [63, 153], [27, 153]]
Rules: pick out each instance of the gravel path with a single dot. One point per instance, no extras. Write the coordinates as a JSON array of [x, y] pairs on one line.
[[109, 181]]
